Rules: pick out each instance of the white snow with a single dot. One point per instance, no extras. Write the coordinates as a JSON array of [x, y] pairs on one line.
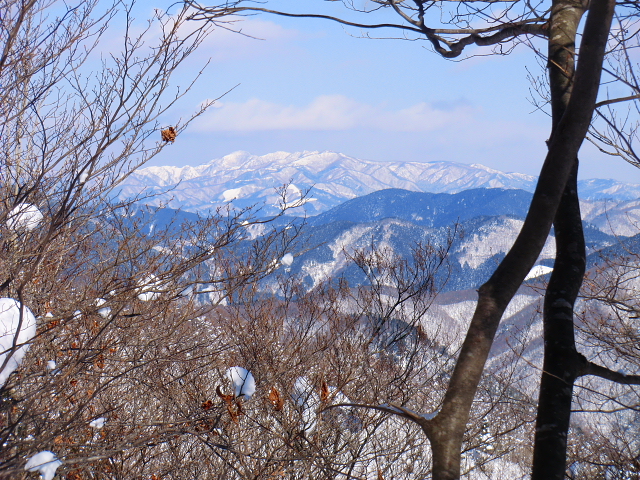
[[9, 323], [287, 260], [24, 216], [538, 271], [161, 249], [51, 365], [149, 288], [243, 382], [335, 177], [337, 397], [231, 194], [105, 311], [255, 230], [302, 392], [495, 238], [46, 463], [307, 400], [97, 423]]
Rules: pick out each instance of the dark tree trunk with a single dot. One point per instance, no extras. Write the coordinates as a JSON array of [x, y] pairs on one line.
[[562, 363], [446, 430]]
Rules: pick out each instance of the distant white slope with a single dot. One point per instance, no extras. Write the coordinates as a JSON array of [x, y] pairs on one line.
[[247, 179]]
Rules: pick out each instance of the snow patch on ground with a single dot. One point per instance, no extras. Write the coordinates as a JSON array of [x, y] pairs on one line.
[[307, 401], [24, 216], [495, 239], [98, 422], [231, 194], [149, 288], [538, 271], [17, 326], [243, 382], [46, 463]]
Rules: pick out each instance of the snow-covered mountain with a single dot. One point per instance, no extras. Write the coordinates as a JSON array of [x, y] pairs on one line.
[[247, 179], [488, 221]]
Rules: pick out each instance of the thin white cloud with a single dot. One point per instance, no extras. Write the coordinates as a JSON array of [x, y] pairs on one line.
[[329, 113], [235, 38], [247, 38]]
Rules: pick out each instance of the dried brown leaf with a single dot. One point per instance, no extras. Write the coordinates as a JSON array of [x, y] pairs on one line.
[[233, 413], [169, 134], [324, 392], [227, 398], [276, 399]]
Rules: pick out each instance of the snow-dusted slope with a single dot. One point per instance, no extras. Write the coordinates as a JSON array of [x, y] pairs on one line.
[[246, 179], [335, 177]]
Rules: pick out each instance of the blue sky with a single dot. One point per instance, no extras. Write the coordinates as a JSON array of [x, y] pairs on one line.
[[314, 85]]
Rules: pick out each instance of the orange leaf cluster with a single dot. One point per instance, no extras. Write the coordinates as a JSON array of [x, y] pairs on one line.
[[74, 475], [235, 413], [279, 473], [234, 408], [169, 135], [227, 398], [324, 392], [100, 362], [63, 440], [276, 399]]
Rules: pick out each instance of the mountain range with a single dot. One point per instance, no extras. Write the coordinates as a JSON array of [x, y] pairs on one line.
[[330, 178], [355, 204], [483, 224], [395, 208]]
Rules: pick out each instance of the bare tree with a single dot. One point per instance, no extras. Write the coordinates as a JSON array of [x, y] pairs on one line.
[[450, 28], [140, 326], [140, 322], [120, 352]]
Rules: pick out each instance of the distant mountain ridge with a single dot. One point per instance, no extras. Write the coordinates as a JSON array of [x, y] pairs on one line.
[[488, 221], [246, 179], [485, 222]]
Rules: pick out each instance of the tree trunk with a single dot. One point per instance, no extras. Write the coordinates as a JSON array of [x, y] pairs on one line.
[[562, 363], [561, 360], [446, 430]]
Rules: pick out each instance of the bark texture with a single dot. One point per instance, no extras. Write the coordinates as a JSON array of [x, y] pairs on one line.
[[562, 362], [446, 430]]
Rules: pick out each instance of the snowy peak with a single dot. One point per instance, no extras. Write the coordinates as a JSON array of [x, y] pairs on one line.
[[246, 179]]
